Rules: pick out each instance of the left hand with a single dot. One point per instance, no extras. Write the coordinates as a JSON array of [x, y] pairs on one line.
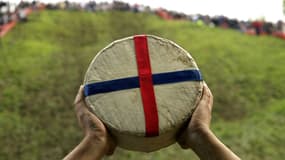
[[96, 133]]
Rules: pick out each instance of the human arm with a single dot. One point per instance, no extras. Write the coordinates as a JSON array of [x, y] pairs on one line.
[[198, 135], [97, 142]]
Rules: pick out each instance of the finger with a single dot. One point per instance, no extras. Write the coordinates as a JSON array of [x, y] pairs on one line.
[[80, 105], [80, 108], [207, 97], [83, 121], [206, 89], [80, 96], [181, 140], [112, 147], [80, 111], [88, 122], [81, 114], [97, 122]]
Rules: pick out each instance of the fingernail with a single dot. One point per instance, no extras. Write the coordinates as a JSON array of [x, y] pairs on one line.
[[85, 119]]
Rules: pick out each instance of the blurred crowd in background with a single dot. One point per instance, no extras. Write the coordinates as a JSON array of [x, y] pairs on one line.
[[10, 12]]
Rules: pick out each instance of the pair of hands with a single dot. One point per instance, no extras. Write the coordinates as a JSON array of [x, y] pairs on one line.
[[96, 134]]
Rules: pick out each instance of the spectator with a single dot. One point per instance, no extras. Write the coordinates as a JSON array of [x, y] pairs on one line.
[[268, 28], [280, 26], [22, 16], [257, 25]]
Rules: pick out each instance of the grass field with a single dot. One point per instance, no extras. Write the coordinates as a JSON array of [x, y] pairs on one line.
[[43, 61]]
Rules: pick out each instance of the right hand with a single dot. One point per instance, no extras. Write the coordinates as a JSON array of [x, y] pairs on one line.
[[200, 120]]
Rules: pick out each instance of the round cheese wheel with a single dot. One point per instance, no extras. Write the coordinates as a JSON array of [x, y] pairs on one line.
[[144, 89]]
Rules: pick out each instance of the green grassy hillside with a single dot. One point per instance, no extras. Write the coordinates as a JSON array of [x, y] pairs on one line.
[[42, 64]]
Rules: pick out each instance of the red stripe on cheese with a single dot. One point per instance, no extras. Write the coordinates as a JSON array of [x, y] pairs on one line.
[[146, 86]]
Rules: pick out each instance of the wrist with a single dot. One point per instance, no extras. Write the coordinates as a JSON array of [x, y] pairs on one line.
[[86, 150], [207, 146], [95, 145], [91, 149], [197, 136]]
